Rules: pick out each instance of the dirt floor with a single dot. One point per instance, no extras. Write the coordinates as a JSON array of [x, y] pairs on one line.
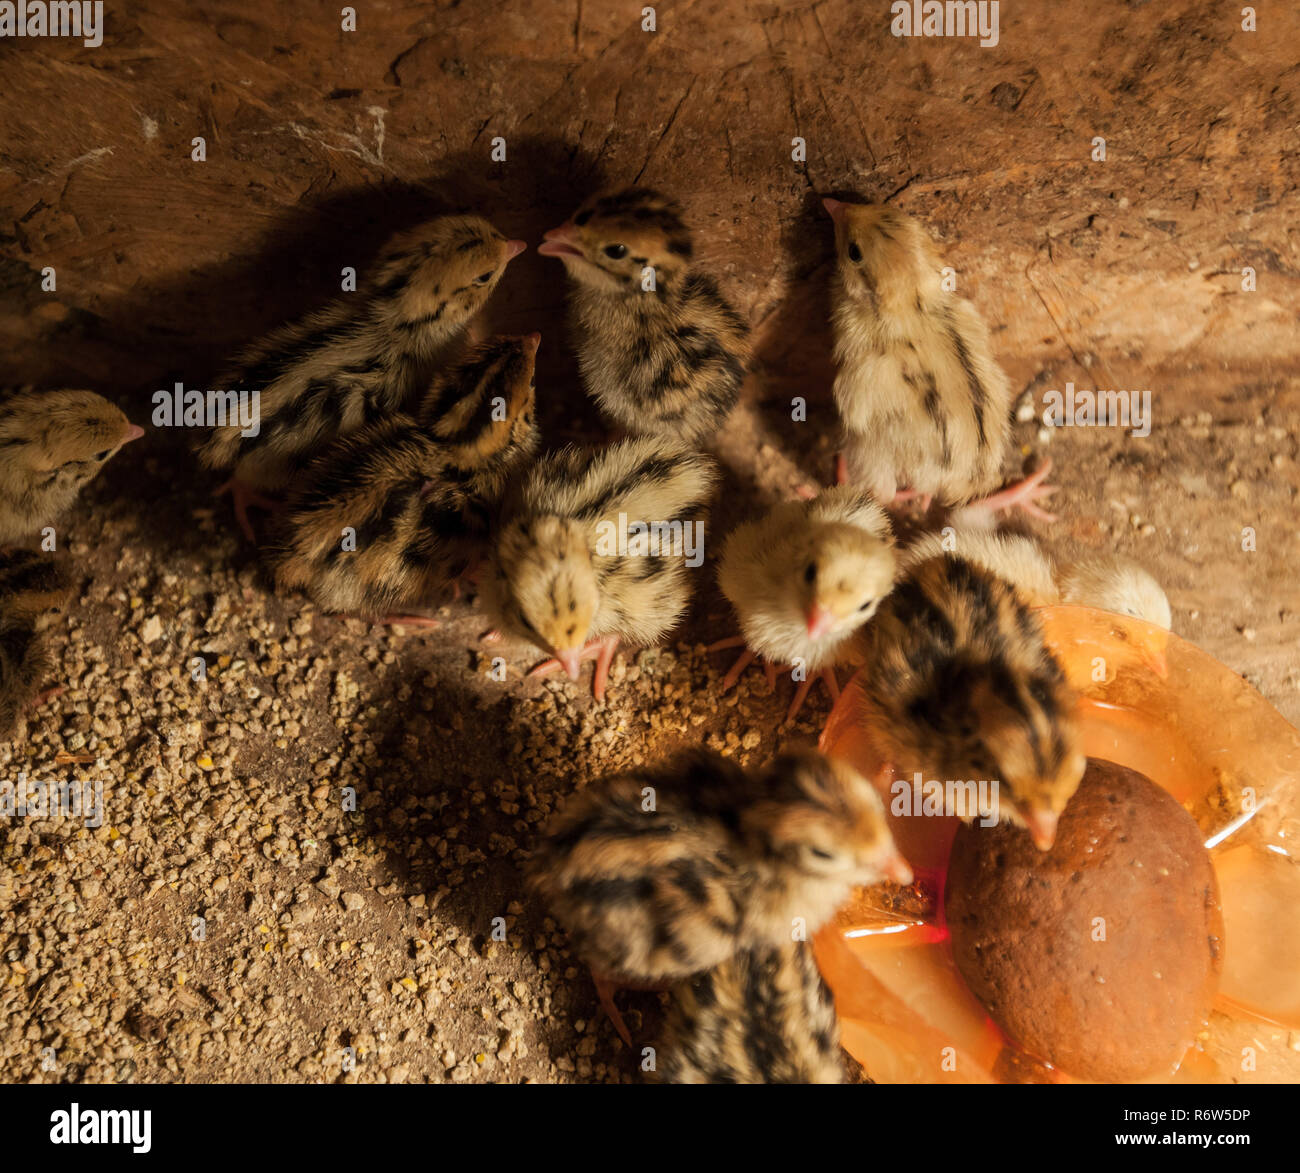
[[359, 945]]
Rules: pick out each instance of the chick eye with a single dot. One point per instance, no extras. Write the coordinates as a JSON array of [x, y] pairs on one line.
[[810, 572], [102, 455], [819, 853], [855, 253], [484, 278], [616, 252], [867, 604], [581, 218]]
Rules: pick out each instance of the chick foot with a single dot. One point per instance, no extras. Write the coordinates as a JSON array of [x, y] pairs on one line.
[[745, 659], [607, 987], [827, 676], [1022, 494], [601, 650], [242, 496]]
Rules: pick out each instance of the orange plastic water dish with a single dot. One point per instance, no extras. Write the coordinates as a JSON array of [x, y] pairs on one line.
[[1156, 704]]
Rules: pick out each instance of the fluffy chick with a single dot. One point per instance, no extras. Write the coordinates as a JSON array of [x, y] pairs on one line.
[[663, 361], [922, 399], [962, 687], [34, 589], [559, 578], [765, 1016], [1105, 581], [51, 444], [415, 494], [804, 578], [364, 356], [660, 873]]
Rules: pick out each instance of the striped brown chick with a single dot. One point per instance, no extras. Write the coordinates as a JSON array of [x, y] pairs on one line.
[[662, 351], [388, 517], [962, 688], [764, 1016], [361, 358], [658, 874], [598, 547], [921, 397], [52, 443], [34, 590]]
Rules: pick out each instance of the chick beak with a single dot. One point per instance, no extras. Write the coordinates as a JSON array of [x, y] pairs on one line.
[[514, 248], [133, 432], [820, 620], [571, 661], [532, 341], [1153, 656], [560, 242], [833, 207], [1042, 828], [896, 868]]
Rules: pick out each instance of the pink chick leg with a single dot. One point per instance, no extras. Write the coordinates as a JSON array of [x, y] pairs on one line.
[[841, 469], [1022, 494], [605, 990], [242, 496], [409, 621]]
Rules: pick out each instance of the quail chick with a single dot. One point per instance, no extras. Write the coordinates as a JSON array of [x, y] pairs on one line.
[[663, 361], [1104, 581], [804, 578], [922, 400], [660, 873], [764, 1016], [412, 495], [364, 356], [962, 687], [34, 588], [594, 548], [51, 444]]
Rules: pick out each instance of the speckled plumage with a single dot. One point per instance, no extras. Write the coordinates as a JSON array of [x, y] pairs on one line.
[[558, 578], [417, 493], [660, 873], [52, 443], [922, 400], [1090, 579], [764, 1016], [964, 689], [34, 588], [664, 362], [365, 355]]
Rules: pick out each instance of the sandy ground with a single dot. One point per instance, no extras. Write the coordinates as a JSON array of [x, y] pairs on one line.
[[361, 945]]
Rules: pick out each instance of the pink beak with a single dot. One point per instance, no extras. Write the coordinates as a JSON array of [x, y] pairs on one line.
[[133, 432], [514, 248], [560, 242], [533, 341], [833, 207], [896, 868], [571, 661], [820, 621], [1042, 828]]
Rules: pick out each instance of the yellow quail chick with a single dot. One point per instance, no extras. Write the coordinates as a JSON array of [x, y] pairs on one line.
[[363, 357], [667, 361], [34, 589], [764, 1016], [803, 579], [922, 400], [962, 687], [597, 547], [51, 444], [660, 873], [1104, 581], [386, 515]]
